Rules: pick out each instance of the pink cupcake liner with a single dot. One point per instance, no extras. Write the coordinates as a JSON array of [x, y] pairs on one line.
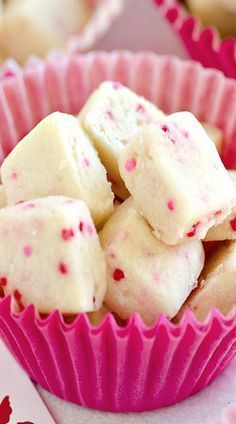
[[105, 11], [203, 45], [131, 368]]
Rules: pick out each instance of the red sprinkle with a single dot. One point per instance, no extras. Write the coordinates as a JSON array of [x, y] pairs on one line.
[[63, 268], [17, 295], [130, 164], [193, 230], [20, 202], [27, 250], [217, 213], [140, 108], [233, 223], [3, 281], [81, 226], [165, 128], [94, 299], [118, 274], [110, 115], [67, 233], [170, 205]]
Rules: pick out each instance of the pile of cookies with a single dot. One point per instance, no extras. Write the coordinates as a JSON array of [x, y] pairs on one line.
[[36, 26], [111, 211]]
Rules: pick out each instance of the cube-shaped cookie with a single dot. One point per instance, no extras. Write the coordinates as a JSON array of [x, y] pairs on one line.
[[50, 256], [143, 274], [226, 230], [215, 134], [36, 26], [177, 179], [217, 287], [57, 158], [111, 117]]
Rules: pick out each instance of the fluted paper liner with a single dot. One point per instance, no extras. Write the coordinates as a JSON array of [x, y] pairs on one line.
[[203, 44], [131, 368]]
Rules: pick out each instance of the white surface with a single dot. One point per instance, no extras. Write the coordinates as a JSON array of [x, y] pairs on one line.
[[25, 402], [203, 408]]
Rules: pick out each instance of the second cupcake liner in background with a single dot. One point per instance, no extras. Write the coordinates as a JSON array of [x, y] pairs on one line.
[[131, 368], [203, 44]]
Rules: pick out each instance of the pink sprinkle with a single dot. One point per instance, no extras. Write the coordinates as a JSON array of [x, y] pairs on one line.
[[86, 162], [193, 230], [233, 223], [14, 176], [156, 277], [3, 281], [130, 164], [185, 134], [81, 226], [63, 268], [117, 85], [110, 115], [67, 233], [30, 206], [140, 108], [89, 229], [68, 201], [8, 73], [217, 213], [165, 128], [118, 275], [27, 250], [170, 205]]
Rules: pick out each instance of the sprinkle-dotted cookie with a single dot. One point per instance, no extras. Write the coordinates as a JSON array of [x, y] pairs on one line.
[[50, 256], [226, 230], [36, 26], [111, 117], [3, 201], [57, 158], [143, 274], [177, 179], [215, 134], [217, 287]]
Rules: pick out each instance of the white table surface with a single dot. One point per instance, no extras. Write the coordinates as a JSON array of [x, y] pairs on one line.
[[203, 408]]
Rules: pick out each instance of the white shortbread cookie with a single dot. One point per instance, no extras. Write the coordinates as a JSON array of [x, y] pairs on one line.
[[177, 179], [143, 274], [217, 287], [112, 115], [36, 26], [50, 256], [57, 158]]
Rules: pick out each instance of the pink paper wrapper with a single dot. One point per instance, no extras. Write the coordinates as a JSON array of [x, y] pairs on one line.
[[131, 368], [203, 45]]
